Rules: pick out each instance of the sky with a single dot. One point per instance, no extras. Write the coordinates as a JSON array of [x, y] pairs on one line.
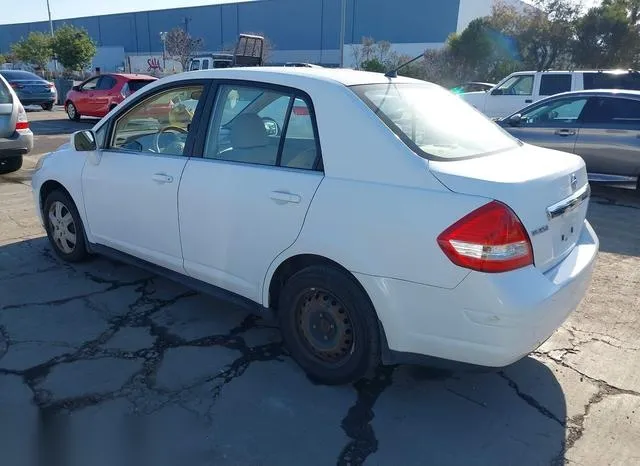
[[36, 10]]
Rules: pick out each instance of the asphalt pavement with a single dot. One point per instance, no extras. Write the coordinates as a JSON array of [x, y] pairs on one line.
[[104, 364]]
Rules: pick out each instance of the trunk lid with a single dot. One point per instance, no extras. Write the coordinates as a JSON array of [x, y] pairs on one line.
[[548, 190]]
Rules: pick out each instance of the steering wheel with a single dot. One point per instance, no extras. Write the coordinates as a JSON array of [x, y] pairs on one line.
[[272, 126], [166, 129]]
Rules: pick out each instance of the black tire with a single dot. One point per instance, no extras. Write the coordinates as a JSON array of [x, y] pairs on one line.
[[79, 251], [10, 164], [72, 111], [325, 292], [48, 106]]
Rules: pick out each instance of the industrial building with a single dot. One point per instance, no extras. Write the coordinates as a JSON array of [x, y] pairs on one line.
[[299, 30]]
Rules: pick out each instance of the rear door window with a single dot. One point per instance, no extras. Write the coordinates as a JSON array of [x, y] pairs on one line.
[[619, 112], [137, 84], [551, 84], [106, 83]]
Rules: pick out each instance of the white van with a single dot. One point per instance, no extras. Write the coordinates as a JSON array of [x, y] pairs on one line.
[[520, 89]]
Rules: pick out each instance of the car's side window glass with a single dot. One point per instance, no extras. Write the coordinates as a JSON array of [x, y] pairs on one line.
[[205, 64], [159, 124], [90, 85], [247, 125], [5, 96], [300, 148], [552, 84], [106, 83], [614, 111], [560, 112], [517, 85]]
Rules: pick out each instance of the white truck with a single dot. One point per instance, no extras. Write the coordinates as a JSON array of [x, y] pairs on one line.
[[520, 89], [249, 51]]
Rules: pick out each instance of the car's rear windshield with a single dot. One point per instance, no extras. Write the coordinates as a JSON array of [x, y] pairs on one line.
[[612, 80], [433, 122], [137, 84], [17, 74], [5, 95]]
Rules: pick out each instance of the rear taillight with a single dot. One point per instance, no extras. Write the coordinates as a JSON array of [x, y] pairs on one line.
[[490, 239], [23, 121]]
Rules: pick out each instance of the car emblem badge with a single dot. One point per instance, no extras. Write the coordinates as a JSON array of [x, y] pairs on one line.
[[574, 182]]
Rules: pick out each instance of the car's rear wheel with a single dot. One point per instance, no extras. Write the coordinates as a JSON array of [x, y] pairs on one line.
[[72, 111], [47, 106], [10, 164], [64, 227], [329, 325]]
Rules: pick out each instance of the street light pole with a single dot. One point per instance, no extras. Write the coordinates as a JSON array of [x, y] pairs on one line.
[[55, 62], [343, 21], [163, 38]]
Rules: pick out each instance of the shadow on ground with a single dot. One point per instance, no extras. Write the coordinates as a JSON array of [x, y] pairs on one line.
[[615, 216], [101, 363]]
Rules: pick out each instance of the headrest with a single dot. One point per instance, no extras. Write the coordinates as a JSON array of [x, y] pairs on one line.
[[248, 131]]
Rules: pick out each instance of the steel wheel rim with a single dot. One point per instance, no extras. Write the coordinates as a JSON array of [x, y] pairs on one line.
[[325, 327], [71, 110], [62, 227]]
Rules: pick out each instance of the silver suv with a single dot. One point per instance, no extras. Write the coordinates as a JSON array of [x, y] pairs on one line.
[[16, 139]]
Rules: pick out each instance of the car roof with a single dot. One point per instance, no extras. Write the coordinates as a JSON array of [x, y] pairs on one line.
[[599, 92], [131, 75], [347, 77]]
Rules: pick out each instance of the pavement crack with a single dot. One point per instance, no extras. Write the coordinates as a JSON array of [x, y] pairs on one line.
[[465, 397], [357, 423], [531, 401]]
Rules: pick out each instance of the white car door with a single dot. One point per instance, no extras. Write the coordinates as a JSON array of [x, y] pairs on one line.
[[244, 202], [513, 94], [130, 187]]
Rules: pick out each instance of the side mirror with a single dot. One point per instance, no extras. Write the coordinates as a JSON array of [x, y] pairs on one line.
[[515, 120], [497, 92], [84, 141], [76, 88]]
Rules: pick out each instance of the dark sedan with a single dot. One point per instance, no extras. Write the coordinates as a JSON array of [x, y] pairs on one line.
[[31, 88], [602, 126]]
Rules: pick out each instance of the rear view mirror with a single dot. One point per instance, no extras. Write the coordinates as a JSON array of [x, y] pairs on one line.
[[515, 120], [84, 141]]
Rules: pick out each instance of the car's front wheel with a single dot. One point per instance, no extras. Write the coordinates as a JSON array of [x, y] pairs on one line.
[[329, 325], [10, 164], [72, 111], [64, 227]]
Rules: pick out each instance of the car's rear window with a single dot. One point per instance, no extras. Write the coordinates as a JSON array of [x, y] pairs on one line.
[[5, 95], [137, 84], [612, 80], [433, 122], [18, 74]]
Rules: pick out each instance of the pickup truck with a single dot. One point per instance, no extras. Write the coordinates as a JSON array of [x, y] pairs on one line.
[[523, 88]]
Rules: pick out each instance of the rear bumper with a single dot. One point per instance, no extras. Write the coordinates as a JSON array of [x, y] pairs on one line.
[[20, 143], [489, 319], [37, 99]]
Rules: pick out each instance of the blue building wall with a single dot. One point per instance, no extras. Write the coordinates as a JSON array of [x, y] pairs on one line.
[[289, 24]]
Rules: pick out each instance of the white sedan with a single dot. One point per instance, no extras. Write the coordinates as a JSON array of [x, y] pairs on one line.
[[382, 219]]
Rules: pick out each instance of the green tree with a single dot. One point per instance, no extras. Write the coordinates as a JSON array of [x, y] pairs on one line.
[[35, 49], [607, 36], [2, 59], [73, 47]]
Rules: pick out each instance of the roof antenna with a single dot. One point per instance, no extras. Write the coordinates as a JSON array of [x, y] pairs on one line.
[[394, 73]]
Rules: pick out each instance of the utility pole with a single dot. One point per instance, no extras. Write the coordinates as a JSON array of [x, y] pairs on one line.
[[186, 24], [55, 62], [343, 20]]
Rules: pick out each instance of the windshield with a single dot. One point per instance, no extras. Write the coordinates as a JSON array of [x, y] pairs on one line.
[[433, 122], [16, 74]]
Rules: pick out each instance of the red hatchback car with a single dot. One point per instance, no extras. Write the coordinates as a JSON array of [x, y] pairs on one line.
[[97, 96]]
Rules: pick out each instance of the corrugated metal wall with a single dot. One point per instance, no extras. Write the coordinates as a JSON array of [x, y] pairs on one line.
[[311, 25]]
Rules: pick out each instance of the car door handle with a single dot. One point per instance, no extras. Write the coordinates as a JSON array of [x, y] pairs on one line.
[[565, 132], [162, 178], [282, 197]]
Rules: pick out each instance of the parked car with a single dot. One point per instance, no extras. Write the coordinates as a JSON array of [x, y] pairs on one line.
[[98, 95], [473, 86], [31, 89], [526, 87], [16, 139], [379, 234], [602, 127]]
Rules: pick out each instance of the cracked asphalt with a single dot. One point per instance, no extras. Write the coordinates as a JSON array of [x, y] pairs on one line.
[[104, 364]]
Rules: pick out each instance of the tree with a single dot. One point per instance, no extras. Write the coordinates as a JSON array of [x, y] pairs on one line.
[[73, 47], [2, 59], [35, 49], [181, 45]]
